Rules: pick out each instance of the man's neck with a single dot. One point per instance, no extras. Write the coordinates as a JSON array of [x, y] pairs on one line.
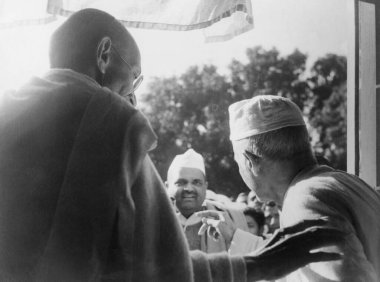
[[282, 174], [292, 170], [187, 214]]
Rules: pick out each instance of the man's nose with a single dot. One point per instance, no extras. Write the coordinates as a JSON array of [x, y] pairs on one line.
[[188, 187]]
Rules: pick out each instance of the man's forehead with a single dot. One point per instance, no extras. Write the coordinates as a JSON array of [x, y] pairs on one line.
[[188, 173], [239, 146]]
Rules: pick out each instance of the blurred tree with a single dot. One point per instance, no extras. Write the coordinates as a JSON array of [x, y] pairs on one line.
[[267, 73], [327, 108], [191, 110]]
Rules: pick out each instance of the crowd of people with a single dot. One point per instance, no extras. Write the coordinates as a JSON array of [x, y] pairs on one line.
[[82, 201], [266, 216]]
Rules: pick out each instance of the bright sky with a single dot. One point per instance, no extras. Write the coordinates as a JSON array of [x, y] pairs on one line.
[[313, 26]]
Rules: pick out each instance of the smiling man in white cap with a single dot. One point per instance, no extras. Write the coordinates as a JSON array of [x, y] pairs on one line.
[[187, 182], [271, 146], [187, 186]]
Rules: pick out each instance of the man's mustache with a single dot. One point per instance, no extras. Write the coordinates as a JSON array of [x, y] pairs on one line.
[[189, 194]]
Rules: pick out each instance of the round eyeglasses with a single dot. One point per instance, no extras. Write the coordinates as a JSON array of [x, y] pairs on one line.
[[137, 82], [138, 77]]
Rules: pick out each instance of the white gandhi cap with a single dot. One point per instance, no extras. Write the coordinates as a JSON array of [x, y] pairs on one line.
[[190, 159], [262, 113]]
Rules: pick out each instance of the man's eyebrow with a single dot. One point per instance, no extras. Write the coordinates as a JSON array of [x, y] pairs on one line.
[[180, 179], [198, 179]]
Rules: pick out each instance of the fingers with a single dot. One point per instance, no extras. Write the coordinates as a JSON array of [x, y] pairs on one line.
[[299, 227], [304, 225], [211, 214], [297, 250], [203, 229], [308, 240], [211, 225], [277, 235], [281, 265], [213, 233], [323, 256], [317, 237], [211, 222], [211, 219]]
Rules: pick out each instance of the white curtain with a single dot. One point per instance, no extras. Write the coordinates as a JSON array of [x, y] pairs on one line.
[[219, 19], [15, 13]]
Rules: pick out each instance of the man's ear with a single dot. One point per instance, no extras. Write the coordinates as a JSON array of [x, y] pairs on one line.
[[206, 185], [103, 54], [166, 184]]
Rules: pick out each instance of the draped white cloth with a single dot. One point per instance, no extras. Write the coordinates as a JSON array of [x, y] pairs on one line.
[[220, 19], [15, 13]]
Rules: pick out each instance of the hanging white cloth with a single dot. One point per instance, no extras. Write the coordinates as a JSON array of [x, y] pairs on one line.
[[219, 19], [15, 13]]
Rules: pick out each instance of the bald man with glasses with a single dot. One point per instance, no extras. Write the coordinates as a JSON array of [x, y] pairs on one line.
[[80, 198], [136, 83]]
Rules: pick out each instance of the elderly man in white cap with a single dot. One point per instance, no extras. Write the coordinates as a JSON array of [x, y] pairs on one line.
[[186, 186], [271, 146]]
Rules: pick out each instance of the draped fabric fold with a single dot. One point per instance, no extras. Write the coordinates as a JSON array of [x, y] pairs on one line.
[[219, 19]]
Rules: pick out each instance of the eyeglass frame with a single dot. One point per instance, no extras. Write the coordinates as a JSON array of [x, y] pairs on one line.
[[138, 78]]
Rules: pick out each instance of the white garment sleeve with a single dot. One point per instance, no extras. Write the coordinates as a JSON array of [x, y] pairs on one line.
[[244, 243]]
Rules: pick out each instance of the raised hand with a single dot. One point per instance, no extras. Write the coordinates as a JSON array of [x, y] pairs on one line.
[[291, 248], [217, 224]]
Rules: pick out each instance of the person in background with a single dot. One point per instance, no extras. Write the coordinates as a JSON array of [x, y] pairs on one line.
[[254, 201], [242, 198], [241, 201], [187, 187], [321, 160], [255, 220], [220, 198], [272, 216]]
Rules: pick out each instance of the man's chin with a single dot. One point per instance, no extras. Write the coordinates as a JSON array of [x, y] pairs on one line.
[[187, 212], [187, 205], [267, 198], [189, 208], [264, 198]]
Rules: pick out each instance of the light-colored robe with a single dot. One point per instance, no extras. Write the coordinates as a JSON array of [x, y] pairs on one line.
[[348, 204]]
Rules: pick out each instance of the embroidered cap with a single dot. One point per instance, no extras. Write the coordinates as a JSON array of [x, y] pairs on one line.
[[189, 159], [262, 114]]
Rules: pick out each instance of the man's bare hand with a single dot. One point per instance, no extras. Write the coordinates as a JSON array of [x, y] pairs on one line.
[[217, 224], [291, 248]]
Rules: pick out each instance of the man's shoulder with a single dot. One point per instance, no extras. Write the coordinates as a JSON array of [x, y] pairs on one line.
[[79, 87], [318, 192], [317, 179], [322, 180]]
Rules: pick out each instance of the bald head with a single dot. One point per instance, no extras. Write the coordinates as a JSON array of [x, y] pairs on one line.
[[74, 44], [94, 43]]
